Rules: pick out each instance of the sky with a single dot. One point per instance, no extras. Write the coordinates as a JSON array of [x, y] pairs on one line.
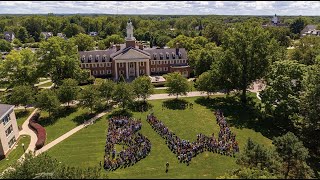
[[284, 8]]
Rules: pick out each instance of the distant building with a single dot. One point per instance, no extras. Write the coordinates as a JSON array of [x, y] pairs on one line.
[[310, 30], [9, 132], [9, 36], [62, 35], [275, 21], [133, 59], [93, 33], [47, 35]]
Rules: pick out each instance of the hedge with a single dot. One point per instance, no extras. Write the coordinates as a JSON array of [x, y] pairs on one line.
[[41, 132]]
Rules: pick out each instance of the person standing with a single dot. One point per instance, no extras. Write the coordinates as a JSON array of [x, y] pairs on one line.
[[167, 167]]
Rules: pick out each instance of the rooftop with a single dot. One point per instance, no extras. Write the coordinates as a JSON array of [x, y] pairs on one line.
[[5, 108]]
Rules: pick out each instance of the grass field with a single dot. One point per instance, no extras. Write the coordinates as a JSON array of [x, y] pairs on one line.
[[22, 115], [16, 153], [160, 91], [86, 147], [64, 122]]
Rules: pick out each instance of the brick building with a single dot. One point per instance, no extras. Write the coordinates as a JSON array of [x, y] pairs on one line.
[[133, 59]]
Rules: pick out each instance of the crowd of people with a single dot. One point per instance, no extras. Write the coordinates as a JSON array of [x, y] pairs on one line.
[[124, 131], [185, 150]]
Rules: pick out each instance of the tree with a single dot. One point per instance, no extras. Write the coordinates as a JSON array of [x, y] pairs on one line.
[[106, 89], [44, 166], [123, 94], [214, 32], [294, 156], [161, 41], [308, 122], [142, 87], [297, 25], [84, 42], [89, 97], [72, 30], [17, 43], [68, 91], [47, 100], [246, 53], [307, 50], [22, 95], [177, 84], [205, 83], [20, 67], [283, 88], [114, 38], [5, 46], [249, 173], [59, 59]]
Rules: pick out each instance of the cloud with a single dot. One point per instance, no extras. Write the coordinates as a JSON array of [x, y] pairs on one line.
[[163, 7]]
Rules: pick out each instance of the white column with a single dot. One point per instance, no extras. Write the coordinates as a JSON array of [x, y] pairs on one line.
[[148, 68], [137, 69], [116, 70], [127, 70]]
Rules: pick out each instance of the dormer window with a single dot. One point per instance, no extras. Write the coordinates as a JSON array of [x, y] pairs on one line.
[[97, 58], [173, 55], [83, 58], [161, 56], [180, 55], [167, 55], [90, 57], [104, 58], [154, 56]]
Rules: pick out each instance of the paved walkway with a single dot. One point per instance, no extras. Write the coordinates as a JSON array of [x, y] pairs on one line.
[[27, 131], [43, 82]]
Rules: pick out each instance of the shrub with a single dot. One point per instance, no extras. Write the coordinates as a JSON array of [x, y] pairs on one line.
[[41, 132]]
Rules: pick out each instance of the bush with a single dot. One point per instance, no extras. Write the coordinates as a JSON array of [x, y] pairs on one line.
[[41, 132]]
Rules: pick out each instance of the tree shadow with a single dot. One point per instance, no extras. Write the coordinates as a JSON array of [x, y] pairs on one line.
[[82, 118], [21, 114], [52, 119], [120, 112], [243, 116], [140, 106], [175, 104]]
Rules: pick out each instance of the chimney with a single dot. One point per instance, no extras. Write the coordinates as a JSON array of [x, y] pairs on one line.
[[118, 47], [177, 48], [141, 46]]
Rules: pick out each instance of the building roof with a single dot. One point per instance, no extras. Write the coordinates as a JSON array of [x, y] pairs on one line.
[[4, 108], [10, 33], [309, 27], [130, 53]]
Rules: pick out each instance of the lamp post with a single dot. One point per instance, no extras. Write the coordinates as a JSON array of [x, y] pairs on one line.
[[23, 147]]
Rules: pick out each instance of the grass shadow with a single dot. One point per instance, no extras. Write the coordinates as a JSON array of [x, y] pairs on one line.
[[120, 112], [62, 112], [243, 116], [174, 104], [140, 106]]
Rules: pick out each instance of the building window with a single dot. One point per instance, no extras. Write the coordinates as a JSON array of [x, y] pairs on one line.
[[87, 65], [160, 69], [9, 130], [12, 141], [6, 119], [165, 62], [167, 55], [97, 58], [173, 55], [108, 64], [154, 56], [159, 62], [90, 57], [108, 71], [141, 64], [152, 69], [171, 61], [152, 62], [141, 71], [101, 65], [165, 69], [104, 58], [121, 72], [180, 55], [83, 58], [94, 65]]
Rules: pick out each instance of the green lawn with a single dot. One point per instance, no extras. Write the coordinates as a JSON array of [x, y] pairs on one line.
[[45, 84], [66, 120], [86, 147], [16, 153], [22, 115], [160, 91]]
